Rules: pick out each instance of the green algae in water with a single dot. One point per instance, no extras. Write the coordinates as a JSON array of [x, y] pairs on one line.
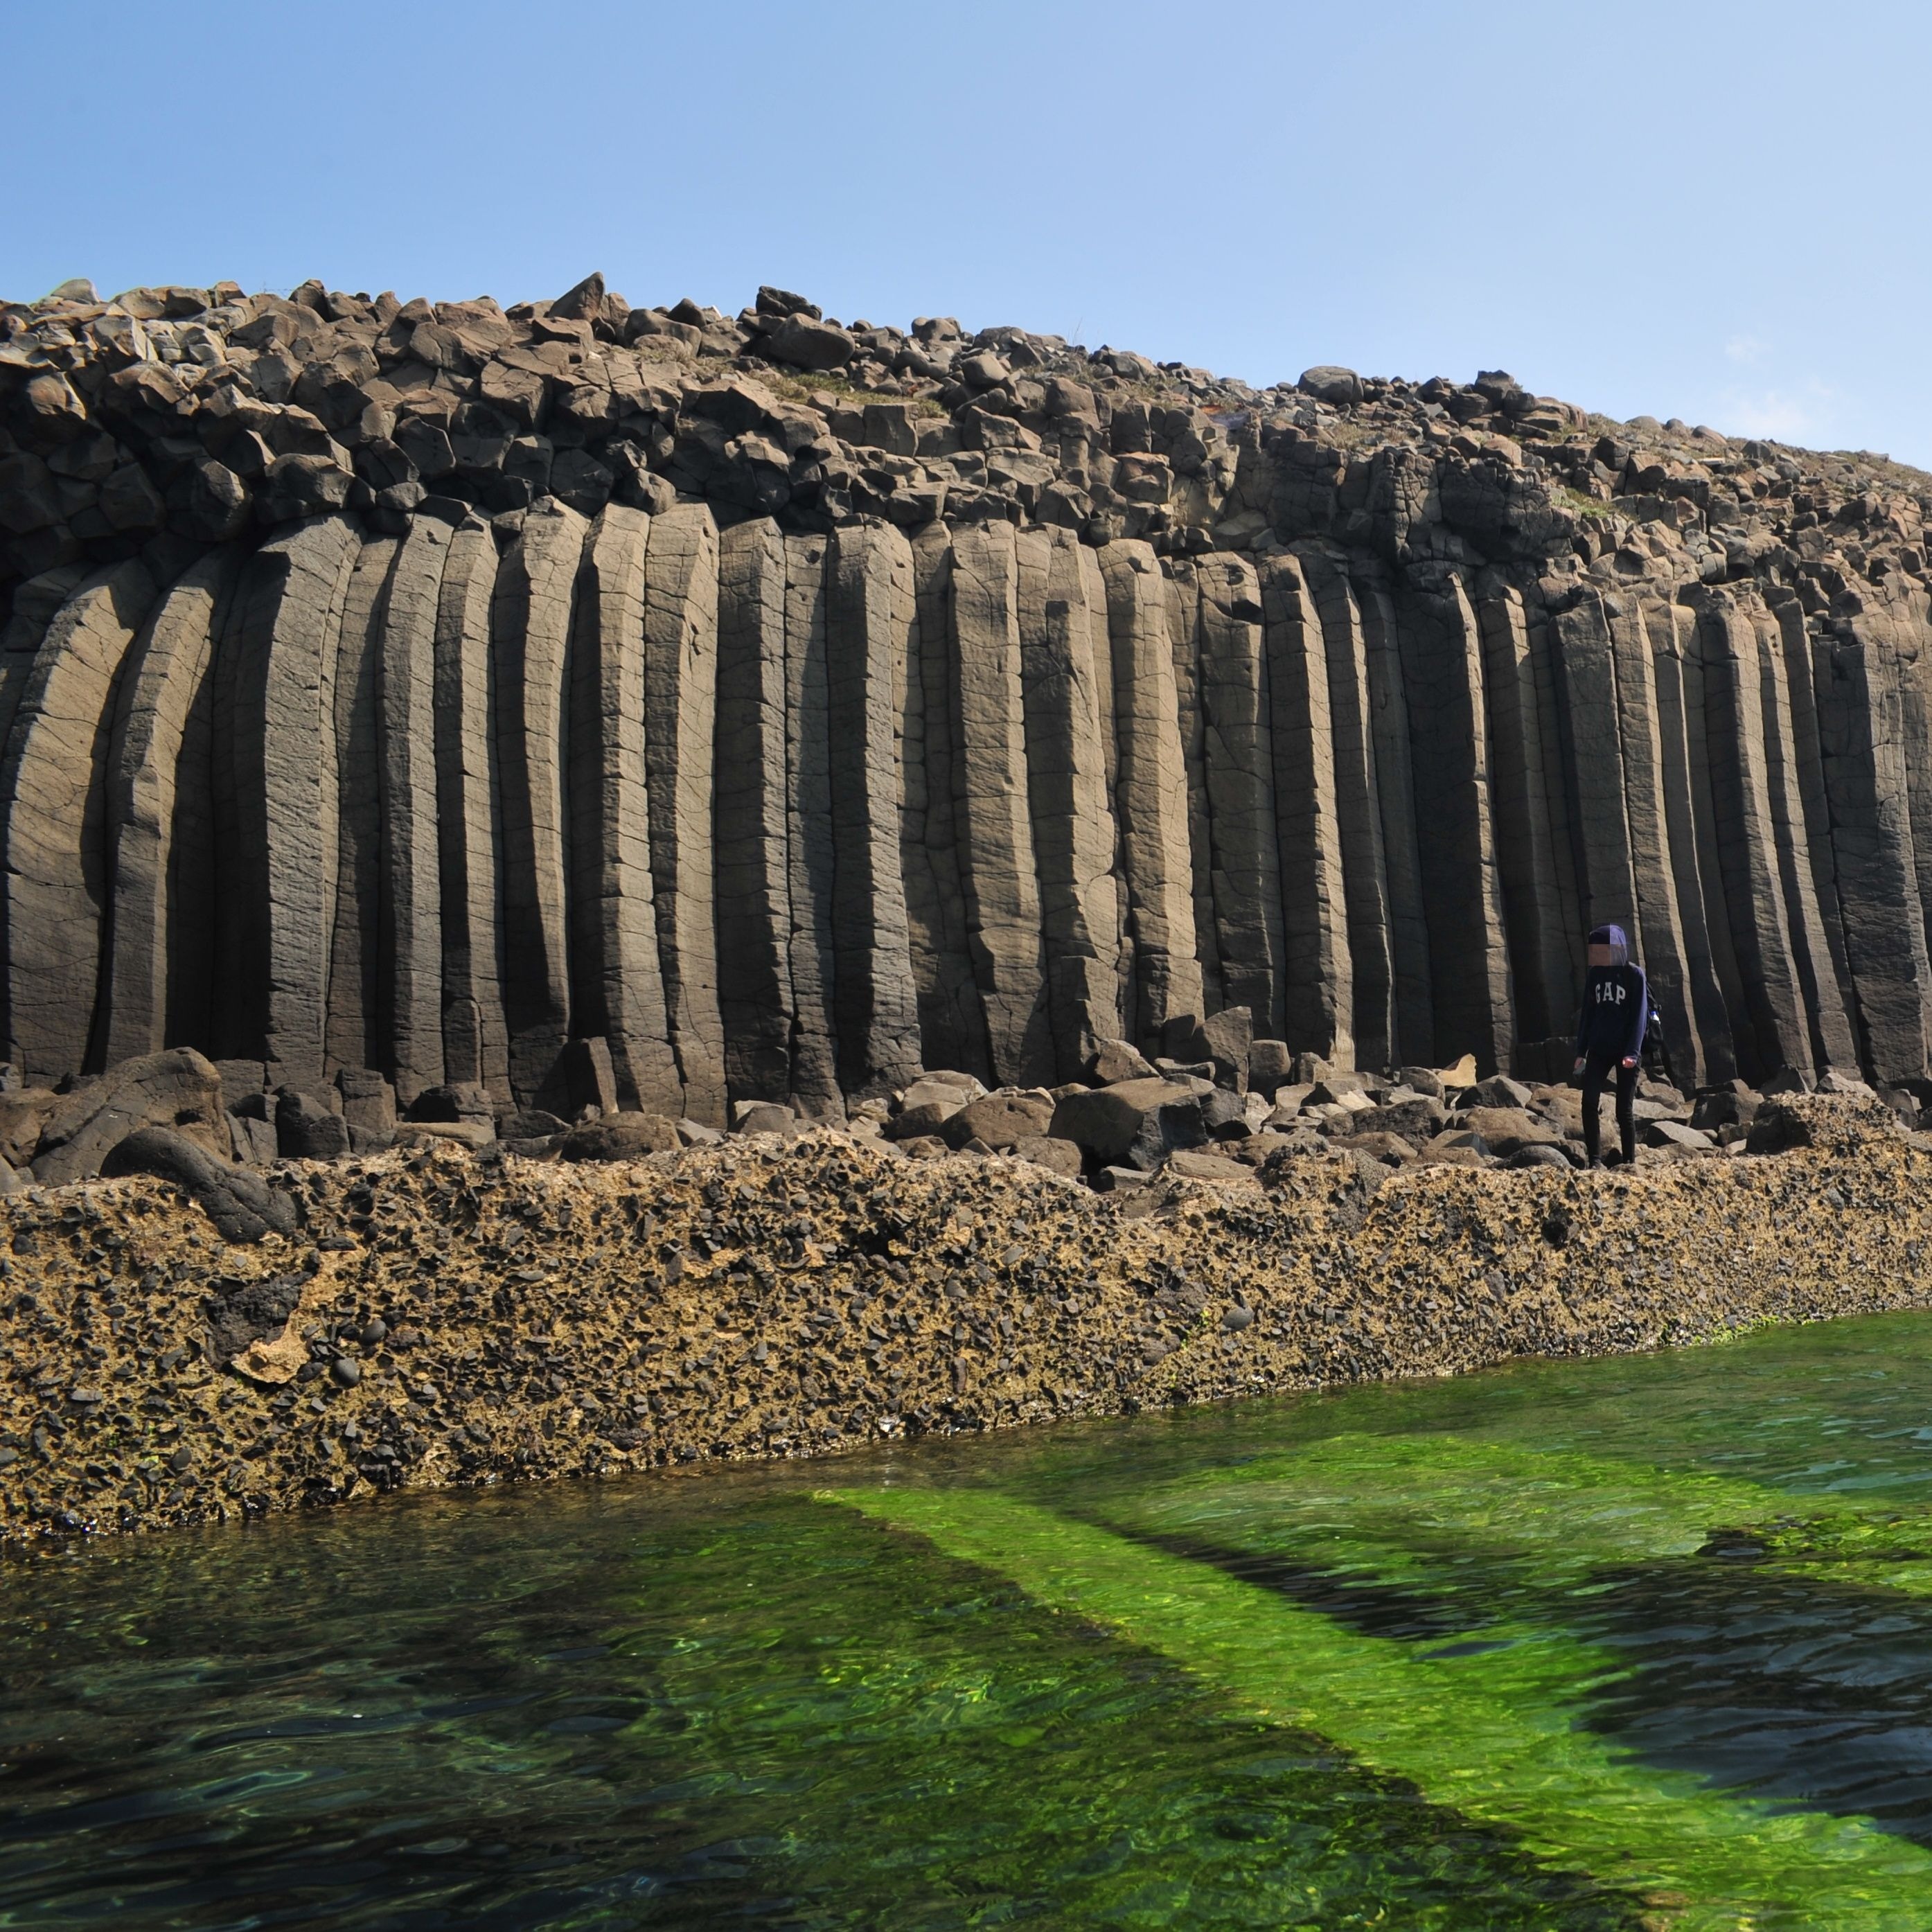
[[1633, 1643]]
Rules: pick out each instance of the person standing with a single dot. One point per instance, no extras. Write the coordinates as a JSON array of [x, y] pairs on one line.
[[1610, 1037]]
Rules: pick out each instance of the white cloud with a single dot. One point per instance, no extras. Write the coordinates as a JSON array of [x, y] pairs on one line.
[[1807, 416], [1748, 349]]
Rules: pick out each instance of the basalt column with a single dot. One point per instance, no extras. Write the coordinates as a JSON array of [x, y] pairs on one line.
[[680, 725], [475, 1047], [356, 702], [1658, 923], [1063, 641], [1317, 978], [1668, 633], [753, 859], [808, 833], [52, 800], [1395, 782], [530, 623], [1442, 658], [1747, 843], [1357, 806], [1539, 920], [994, 816], [1799, 701], [1150, 794], [616, 991], [870, 632], [1265, 744], [159, 971], [1862, 759], [1184, 628], [1831, 1040], [278, 870], [952, 1021], [409, 950]]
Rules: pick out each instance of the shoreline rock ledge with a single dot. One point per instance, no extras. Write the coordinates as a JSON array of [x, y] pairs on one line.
[[436, 1318]]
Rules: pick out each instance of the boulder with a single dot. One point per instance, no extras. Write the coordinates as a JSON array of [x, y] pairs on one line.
[[1457, 1146], [1778, 1129], [1391, 1149], [1417, 1121], [1503, 1130], [307, 1128], [1848, 1086], [1135, 1123], [1500, 1091], [462, 1101], [1675, 1134], [1043, 1151], [1114, 1060], [1271, 1066], [531, 1123], [1000, 1119], [802, 342], [254, 1141], [178, 1089], [1330, 383], [1540, 1154], [24, 1114], [243, 1207], [369, 1107], [1423, 1080], [621, 1137], [950, 1091], [916, 1122], [1225, 1115], [761, 1116], [1734, 1105], [461, 1133], [1189, 1165], [1220, 1044]]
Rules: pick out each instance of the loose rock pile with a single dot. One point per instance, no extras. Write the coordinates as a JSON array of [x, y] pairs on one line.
[[436, 1316]]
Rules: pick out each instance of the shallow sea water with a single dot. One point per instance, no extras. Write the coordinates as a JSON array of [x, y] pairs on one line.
[[1645, 1642]]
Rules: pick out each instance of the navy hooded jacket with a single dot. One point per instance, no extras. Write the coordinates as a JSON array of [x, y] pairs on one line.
[[1616, 1002]]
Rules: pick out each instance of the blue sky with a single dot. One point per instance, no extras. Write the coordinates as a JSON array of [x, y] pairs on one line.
[[1705, 209]]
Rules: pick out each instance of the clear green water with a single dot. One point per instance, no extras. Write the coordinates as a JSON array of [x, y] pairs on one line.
[[1644, 1642]]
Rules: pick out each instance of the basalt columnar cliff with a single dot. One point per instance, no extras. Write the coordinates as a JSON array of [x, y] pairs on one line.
[[416, 688]]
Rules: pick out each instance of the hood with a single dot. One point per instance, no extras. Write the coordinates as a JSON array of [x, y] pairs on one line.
[[1615, 938]]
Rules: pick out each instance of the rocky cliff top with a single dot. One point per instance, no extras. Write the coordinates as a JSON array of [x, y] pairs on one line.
[[174, 418]]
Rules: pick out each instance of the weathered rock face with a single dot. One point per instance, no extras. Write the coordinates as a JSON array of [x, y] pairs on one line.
[[414, 690]]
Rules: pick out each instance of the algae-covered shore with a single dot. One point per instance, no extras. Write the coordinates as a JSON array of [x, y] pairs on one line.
[[439, 1319]]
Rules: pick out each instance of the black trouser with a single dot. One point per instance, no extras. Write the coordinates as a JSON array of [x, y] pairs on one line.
[[1596, 1070]]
